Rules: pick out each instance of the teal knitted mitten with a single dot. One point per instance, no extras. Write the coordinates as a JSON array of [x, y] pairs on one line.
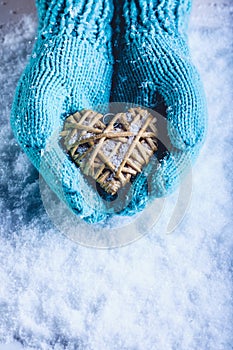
[[70, 69], [152, 59]]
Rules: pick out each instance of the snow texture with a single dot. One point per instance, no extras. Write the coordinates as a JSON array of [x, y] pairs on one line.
[[164, 292]]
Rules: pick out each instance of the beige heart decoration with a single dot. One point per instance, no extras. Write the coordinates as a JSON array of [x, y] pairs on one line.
[[111, 154]]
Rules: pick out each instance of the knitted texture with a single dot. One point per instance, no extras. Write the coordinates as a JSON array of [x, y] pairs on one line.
[[153, 59], [70, 69]]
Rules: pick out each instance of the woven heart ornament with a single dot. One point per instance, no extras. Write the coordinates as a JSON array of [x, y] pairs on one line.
[[111, 153]]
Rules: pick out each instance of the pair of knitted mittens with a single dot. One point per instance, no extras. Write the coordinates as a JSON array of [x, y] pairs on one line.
[[92, 52]]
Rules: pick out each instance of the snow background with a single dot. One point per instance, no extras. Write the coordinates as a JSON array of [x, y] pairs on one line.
[[164, 292]]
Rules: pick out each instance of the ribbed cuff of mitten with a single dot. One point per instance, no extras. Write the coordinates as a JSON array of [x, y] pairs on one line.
[[84, 18], [139, 16]]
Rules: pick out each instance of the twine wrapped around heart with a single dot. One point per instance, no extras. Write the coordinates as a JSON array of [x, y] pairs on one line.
[[113, 153]]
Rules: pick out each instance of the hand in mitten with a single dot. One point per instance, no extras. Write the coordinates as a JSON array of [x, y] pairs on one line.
[[153, 59], [70, 69]]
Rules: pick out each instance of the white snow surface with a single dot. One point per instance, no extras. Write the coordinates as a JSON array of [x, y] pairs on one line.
[[164, 292]]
